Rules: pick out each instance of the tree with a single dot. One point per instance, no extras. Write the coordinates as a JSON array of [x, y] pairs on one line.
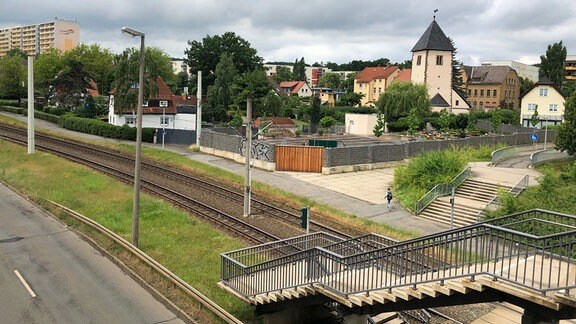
[[205, 55], [70, 87], [414, 121], [219, 95], [283, 73], [444, 120], [566, 136], [496, 120], [98, 62], [326, 122], [525, 85], [330, 80], [13, 77], [457, 82], [46, 67], [349, 82], [314, 112], [252, 85], [299, 70], [552, 64], [379, 128], [351, 98], [401, 97], [534, 120]]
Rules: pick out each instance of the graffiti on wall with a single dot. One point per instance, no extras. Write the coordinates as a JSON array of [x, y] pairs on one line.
[[260, 151]]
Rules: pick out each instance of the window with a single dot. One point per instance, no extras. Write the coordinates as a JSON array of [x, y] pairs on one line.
[[164, 120], [439, 59], [469, 92], [475, 92], [475, 104], [494, 93], [360, 85], [374, 90], [457, 103], [145, 103], [488, 93], [481, 92], [543, 92], [532, 107], [553, 107], [130, 120], [379, 90], [481, 104], [419, 60]]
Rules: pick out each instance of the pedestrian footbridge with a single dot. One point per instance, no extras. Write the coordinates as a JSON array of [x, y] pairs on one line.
[[527, 258]]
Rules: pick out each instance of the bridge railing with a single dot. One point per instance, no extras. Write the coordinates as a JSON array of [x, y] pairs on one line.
[[534, 249], [495, 202]]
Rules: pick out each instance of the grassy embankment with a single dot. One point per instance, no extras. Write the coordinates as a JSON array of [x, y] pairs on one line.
[[188, 247]]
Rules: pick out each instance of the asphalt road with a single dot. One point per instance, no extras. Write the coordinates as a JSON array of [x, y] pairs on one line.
[[49, 275]]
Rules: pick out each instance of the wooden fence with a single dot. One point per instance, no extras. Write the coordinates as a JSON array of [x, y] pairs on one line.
[[299, 158]]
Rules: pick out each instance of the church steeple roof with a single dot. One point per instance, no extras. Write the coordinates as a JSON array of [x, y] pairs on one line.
[[433, 39]]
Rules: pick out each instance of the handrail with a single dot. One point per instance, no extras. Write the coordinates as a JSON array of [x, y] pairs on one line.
[[441, 189], [153, 264], [508, 249], [493, 204]]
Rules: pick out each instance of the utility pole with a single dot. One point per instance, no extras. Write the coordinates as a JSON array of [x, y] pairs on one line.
[[30, 104], [199, 109], [247, 180]]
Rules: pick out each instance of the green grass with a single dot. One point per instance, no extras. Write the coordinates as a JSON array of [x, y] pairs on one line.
[[188, 247]]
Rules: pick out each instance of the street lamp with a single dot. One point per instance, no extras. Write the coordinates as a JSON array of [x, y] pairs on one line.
[[136, 202]]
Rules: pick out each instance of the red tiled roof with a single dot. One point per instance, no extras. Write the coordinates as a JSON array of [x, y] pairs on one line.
[[373, 73], [404, 75], [293, 86], [94, 91], [164, 93]]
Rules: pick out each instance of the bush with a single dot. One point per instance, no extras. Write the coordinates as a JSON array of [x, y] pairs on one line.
[[100, 128]]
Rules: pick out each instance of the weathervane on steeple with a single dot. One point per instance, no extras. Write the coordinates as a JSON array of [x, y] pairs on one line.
[[435, 11]]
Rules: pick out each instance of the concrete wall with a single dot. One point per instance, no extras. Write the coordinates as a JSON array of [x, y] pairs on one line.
[[355, 158], [360, 124]]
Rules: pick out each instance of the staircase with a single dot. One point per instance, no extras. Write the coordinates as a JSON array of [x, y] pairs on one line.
[[469, 199]]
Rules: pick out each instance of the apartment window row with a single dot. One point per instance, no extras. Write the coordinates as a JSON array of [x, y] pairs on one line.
[[164, 120], [489, 93], [551, 107]]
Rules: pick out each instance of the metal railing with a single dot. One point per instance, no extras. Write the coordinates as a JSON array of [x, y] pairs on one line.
[[534, 249], [547, 155], [495, 202], [441, 189]]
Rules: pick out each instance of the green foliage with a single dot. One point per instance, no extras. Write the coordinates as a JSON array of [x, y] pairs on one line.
[[46, 67], [534, 120], [330, 80], [219, 94], [13, 80], [420, 174], [552, 64], [71, 84], [379, 127], [525, 85], [414, 121], [444, 120], [315, 110], [205, 55], [283, 73], [496, 121], [351, 99], [299, 70], [253, 85], [104, 129], [566, 136], [401, 97], [327, 122], [97, 62]]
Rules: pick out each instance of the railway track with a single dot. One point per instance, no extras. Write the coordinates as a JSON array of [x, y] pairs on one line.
[[120, 166]]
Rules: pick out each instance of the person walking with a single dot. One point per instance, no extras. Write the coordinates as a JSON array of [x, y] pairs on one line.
[[388, 198]]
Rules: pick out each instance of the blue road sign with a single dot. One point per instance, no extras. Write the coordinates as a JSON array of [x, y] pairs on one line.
[[164, 131], [534, 137]]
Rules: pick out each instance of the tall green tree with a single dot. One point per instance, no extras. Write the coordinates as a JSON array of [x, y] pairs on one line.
[[46, 67], [457, 82], [566, 137], [70, 87], [534, 120], [219, 95], [552, 64], [283, 73], [205, 55], [414, 121], [252, 85], [525, 85], [379, 128], [13, 77], [98, 62], [401, 97], [299, 70], [126, 75], [330, 80]]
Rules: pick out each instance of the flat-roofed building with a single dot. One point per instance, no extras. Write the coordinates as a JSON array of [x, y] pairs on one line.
[[570, 67], [36, 39]]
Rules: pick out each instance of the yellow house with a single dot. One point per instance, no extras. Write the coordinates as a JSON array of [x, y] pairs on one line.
[[491, 87], [549, 101], [373, 81]]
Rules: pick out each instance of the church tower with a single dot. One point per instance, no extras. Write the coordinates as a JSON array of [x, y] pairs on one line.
[[432, 66]]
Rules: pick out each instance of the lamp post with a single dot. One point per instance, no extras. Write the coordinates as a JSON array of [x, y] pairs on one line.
[[136, 202]]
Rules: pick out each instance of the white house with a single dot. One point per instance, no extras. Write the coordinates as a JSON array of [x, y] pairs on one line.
[[549, 101], [165, 111], [296, 88]]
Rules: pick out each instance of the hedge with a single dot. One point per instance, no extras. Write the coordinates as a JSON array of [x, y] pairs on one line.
[[12, 109], [100, 128]]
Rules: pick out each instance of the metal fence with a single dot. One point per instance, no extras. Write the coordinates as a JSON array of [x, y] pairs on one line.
[[533, 249], [441, 189]]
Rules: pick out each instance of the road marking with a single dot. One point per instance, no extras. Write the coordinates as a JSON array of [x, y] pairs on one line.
[[25, 283]]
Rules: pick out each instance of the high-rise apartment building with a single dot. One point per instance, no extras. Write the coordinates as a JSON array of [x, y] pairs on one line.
[[35, 39]]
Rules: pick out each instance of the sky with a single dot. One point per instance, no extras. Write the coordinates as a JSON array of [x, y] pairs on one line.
[[321, 31]]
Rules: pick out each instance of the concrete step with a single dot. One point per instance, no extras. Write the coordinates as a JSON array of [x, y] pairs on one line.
[[384, 317]]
